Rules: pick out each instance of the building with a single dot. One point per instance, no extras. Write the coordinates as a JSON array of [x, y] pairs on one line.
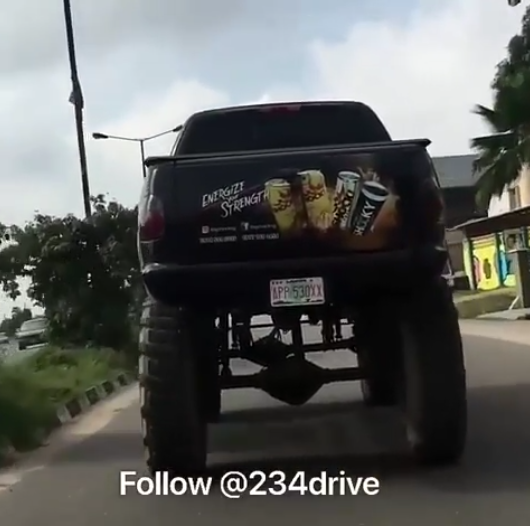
[[487, 241], [455, 173]]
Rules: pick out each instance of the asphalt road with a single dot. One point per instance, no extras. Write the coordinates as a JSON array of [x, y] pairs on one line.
[[74, 481]]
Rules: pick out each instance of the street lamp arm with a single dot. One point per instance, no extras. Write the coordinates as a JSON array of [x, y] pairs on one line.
[[98, 135], [160, 134], [141, 141]]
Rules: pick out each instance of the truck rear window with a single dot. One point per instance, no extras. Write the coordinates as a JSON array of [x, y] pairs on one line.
[[281, 126]]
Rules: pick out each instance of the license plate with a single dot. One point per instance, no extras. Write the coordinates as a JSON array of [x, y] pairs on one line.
[[297, 292]]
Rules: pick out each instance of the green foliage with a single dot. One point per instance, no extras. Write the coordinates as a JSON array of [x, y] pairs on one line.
[[83, 273], [10, 325], [11, 265], [502, 155], [31, 390]]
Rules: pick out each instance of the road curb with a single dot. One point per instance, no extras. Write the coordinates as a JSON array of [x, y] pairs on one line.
[[72, 409], [91, 397], [488, 302], [487, 317]]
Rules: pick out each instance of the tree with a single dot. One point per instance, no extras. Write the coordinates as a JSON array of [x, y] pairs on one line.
[[503, 154], [83, 273]]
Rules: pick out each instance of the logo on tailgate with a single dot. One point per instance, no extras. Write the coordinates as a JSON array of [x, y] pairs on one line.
[[231, 200]]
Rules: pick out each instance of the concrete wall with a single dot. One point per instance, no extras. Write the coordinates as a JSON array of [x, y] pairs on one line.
[[500, 205], [524, 186]]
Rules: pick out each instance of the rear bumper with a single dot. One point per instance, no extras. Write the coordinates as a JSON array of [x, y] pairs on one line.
[[27, 341], [247, 284]]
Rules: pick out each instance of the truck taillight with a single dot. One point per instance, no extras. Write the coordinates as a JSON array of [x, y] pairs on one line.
[[151, 221]]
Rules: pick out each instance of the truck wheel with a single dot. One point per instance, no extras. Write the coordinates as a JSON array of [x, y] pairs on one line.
[[434, 379], [174, 412], [377, 339]]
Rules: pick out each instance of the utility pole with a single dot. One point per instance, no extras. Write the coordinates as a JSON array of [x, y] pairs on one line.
[[76, 98], [142, 155]]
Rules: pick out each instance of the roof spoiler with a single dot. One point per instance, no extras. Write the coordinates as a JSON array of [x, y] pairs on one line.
[[162, 159], [159, 159]]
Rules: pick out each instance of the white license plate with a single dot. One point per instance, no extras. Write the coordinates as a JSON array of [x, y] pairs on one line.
[[297, 292]]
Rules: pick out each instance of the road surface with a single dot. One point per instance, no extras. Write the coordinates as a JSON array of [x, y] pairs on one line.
[[74, 481]]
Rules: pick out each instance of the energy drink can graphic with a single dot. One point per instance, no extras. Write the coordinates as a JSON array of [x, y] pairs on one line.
[[279, 195], [316, 198], [347, 192], [371, 199]]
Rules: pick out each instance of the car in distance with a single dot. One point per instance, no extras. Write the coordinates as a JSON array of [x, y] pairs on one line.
[[32, 332]]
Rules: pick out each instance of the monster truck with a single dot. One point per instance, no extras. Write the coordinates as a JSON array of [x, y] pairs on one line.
[[311, 214]]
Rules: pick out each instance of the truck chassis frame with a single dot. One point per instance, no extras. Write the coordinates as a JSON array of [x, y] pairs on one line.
[[280, 360]]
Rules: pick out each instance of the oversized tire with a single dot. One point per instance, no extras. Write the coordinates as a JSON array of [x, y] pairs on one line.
[[434, 377], [178, 389], [377, 337]]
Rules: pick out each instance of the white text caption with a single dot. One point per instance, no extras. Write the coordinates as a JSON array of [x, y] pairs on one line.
[[235, 484]]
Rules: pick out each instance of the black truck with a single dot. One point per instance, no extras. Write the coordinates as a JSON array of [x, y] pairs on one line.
[[309, 213]]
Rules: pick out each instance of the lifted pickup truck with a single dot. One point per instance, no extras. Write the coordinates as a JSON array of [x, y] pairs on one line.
[[309, 213]]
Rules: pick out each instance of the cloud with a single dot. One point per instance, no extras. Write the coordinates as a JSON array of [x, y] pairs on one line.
[[100, 25], [421, 73], [422, 77]]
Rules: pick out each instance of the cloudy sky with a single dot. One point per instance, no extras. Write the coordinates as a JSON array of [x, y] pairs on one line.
[[145, 66]]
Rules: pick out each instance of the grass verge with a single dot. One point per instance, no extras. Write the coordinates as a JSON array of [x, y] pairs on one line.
[[32, 389], [471, 304]]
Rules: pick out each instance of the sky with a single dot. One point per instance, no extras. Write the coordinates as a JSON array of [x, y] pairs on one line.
[[145, 66]]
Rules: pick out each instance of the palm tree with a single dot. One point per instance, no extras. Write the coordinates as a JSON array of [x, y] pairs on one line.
[[503, 154], [496, 165]]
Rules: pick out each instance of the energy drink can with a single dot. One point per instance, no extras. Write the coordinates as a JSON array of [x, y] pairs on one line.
[[317, 202], [347, 193], [371, 199], [279, 195]]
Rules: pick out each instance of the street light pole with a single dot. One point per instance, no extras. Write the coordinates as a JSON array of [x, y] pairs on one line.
[[140, 140], [76, 98], [142, 154]]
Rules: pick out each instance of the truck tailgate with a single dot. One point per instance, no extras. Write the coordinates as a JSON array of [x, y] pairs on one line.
[[298, 203]]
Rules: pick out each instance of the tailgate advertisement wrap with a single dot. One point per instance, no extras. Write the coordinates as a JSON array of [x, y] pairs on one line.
[[346, 204]]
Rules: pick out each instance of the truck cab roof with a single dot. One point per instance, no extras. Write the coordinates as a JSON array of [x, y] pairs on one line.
[[279, 125]]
